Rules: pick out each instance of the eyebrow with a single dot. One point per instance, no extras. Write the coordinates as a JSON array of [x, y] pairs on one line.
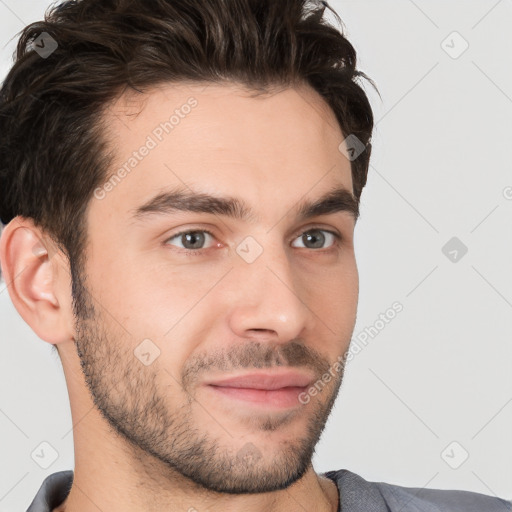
[[180, 199]]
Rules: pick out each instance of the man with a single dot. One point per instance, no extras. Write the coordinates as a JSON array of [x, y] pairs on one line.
[[180, 185]]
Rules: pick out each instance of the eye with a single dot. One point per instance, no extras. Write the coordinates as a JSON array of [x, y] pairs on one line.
[[191, 240], [315, 238]]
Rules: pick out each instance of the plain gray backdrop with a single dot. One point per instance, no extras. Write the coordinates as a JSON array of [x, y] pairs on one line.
[[427, 396]]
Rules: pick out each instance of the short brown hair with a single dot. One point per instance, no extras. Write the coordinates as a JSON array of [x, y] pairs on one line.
[[52, 152]]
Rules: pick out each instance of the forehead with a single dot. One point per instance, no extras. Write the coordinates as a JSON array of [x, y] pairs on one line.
[[277, 148]]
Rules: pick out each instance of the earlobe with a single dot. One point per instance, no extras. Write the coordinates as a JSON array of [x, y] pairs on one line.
[[33, 280]]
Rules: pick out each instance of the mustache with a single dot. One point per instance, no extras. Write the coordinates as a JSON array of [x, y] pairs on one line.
[[255, 355]]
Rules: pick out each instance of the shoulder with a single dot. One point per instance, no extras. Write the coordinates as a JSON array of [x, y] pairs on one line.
[[355, 490], [53, 491], [414, 498]]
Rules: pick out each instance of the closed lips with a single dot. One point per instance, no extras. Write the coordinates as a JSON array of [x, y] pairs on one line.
[[266, 381]]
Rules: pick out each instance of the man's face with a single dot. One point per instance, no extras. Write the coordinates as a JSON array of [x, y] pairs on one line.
[[270, 294]]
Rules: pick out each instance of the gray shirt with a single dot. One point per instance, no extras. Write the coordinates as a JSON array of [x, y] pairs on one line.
[[356, 495]]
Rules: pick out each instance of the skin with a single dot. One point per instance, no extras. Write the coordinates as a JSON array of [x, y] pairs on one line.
[[154, 437]]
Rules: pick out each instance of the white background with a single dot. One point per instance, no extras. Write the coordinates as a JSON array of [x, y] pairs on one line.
[[441, 370]]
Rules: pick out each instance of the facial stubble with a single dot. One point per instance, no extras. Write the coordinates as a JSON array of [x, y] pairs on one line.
[[129, 398]]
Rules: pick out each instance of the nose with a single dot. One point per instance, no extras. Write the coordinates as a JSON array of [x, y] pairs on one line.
[[269, 302]]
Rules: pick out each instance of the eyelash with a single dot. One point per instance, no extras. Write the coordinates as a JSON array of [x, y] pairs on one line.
[[198, 252]]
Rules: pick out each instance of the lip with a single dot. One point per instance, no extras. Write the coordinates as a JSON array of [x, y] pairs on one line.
[[275, 390], [269, 381]]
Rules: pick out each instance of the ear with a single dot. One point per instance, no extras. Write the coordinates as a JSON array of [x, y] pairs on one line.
[[38, 280]]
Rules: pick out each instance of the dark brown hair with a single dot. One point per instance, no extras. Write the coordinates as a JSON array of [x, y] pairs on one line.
[[52, 152]]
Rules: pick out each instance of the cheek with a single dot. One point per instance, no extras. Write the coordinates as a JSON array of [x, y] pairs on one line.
[[154, 296], [161, 312], [333, 299], [335, 287]]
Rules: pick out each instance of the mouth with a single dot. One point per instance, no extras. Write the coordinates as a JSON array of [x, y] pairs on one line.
[[270, 389]]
